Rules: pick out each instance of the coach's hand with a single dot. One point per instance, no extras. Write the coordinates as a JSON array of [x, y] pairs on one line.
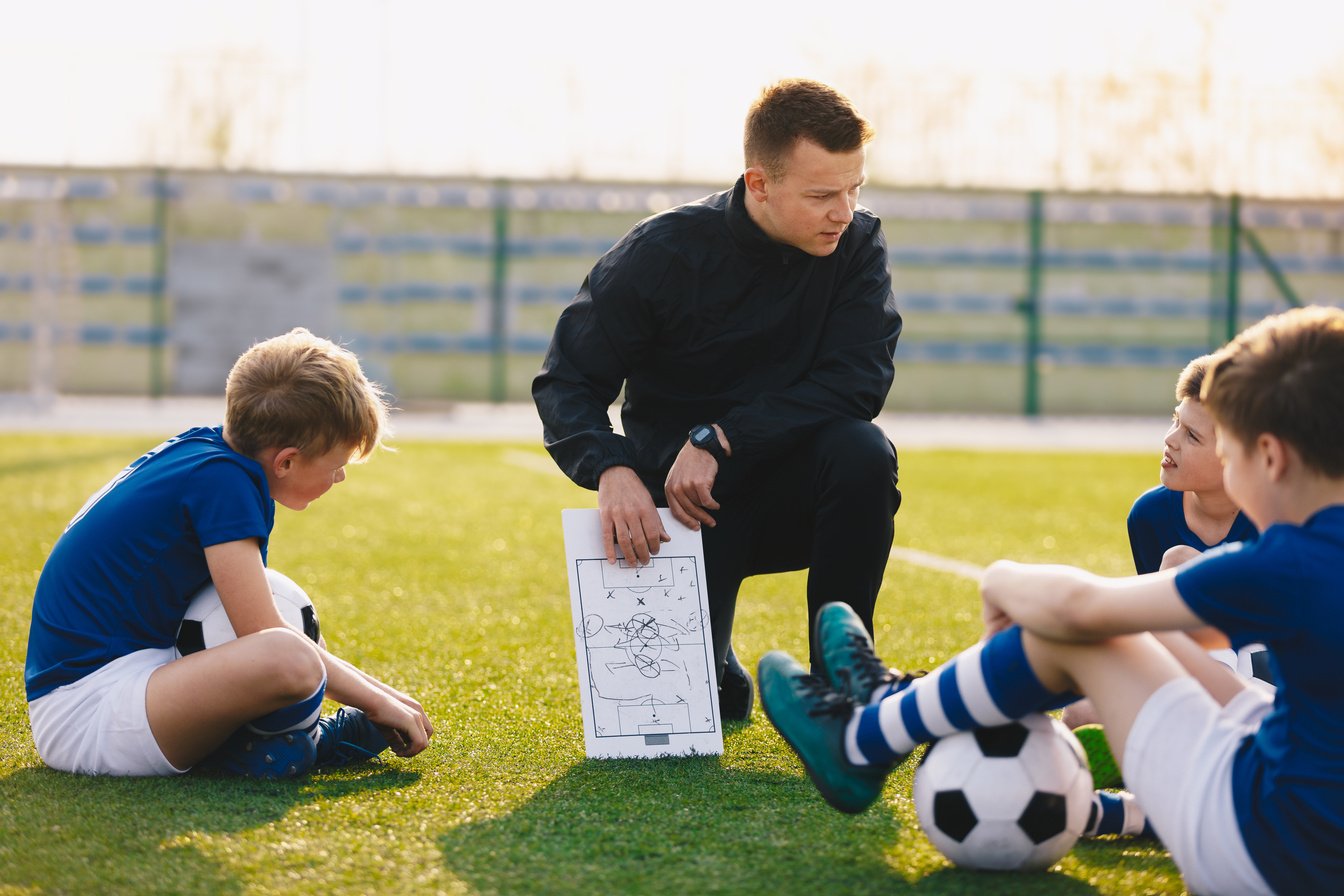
[[629, 518], [690, 483]]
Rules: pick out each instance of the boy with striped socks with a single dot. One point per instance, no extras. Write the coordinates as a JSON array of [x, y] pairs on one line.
[[1246, 789]]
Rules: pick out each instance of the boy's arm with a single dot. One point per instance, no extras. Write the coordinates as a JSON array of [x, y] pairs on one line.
[[1063, 603], [239, 576], [401, 718]]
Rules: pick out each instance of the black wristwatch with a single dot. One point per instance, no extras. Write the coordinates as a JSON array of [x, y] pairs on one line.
[[702, 435]]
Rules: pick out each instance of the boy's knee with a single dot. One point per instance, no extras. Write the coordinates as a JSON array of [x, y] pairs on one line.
[[292, 661], [1177, 554]]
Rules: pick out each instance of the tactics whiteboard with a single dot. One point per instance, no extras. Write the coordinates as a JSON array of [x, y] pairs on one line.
[[641, 635]]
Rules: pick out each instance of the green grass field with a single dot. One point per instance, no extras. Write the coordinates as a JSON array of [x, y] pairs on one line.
[[440, 568]]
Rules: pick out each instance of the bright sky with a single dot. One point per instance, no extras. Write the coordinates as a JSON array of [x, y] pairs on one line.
[[590, 88]]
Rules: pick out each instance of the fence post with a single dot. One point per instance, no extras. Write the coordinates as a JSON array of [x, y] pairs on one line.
[[1233, 294], [498, 319], [158, 316], [1271, 267], [1031, 306]]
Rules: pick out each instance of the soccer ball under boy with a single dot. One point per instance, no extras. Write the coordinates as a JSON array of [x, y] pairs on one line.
[[207, 625], [1009, 798]]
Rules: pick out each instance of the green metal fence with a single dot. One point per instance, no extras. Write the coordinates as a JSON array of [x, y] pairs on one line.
[[149, 281]]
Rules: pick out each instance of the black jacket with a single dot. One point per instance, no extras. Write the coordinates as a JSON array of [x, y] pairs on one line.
[[705, 319]]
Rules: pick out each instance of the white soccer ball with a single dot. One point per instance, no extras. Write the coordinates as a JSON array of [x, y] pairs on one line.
[[207, 625], [1014, 797]]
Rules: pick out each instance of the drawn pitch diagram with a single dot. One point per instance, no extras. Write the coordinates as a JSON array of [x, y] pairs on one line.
[[648, 660]]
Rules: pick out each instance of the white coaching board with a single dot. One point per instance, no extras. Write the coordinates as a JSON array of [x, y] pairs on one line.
[[641, 635]]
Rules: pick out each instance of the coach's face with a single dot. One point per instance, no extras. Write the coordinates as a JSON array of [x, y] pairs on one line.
[[812, 202]]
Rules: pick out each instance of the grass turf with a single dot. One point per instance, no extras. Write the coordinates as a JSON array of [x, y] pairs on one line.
[[440, 569]]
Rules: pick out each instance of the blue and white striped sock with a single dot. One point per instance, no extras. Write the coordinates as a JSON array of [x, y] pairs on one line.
[[1116, 813], [990, 683], [301, 716]]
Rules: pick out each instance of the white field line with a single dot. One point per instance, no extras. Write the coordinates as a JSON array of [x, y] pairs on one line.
[[539, 464], [935, 561]]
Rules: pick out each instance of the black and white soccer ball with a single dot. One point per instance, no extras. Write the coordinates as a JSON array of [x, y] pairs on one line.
[[1014, 797], [207, 625]]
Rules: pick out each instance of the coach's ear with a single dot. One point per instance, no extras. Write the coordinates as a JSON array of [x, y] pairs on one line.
[[757, 183]]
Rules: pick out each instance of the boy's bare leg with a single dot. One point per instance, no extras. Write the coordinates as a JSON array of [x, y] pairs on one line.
[[1216, 678], [1203, 639], [195, 703], [1120, 674]]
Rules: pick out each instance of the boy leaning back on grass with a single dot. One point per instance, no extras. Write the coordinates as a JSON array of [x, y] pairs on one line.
[[107, 692], [1246, 789]]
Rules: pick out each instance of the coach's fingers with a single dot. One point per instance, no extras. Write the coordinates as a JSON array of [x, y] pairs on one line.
[[683, 511], [690, 498]]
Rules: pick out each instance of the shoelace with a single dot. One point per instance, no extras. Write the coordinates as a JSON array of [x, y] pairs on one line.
[[825, 702], [871, 672], [866, 667]]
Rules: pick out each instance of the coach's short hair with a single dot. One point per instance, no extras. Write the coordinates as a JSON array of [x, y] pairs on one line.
[[1283, 376], [795, 109], [301, 391]]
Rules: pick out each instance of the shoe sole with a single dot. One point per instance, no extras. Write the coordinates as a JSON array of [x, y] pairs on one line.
[[296, 756]]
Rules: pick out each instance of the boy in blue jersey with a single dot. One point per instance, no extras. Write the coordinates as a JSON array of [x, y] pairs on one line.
[[1190, 507], [107, 692], [1245, 788], [1177, 520]]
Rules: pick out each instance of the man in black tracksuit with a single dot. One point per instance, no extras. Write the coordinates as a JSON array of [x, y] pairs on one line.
[[753, 334]]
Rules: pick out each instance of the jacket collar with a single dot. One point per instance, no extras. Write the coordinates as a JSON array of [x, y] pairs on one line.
[[749, 236]]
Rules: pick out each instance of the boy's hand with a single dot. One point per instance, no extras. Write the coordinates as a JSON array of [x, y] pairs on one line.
[[404, 723], [994, 618], [992, 584]]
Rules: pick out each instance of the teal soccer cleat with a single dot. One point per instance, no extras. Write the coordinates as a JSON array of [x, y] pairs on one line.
[[847, 660], [811, 717]]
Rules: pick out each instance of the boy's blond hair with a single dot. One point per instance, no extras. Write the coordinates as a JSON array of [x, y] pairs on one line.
[[302, 391], [1191, 379], [1285, 376]]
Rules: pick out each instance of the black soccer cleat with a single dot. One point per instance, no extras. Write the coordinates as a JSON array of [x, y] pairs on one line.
[[736, 692]]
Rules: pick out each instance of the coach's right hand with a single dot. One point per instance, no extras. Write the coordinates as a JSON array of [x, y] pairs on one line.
[[629, 518]]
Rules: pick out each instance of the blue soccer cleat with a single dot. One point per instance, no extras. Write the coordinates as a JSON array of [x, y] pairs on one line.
[[248, 754], [347, 737]]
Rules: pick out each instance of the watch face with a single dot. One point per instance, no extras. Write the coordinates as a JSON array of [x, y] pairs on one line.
[[702, 434]]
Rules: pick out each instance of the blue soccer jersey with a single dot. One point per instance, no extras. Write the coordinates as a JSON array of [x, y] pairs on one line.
[[1157, 522], [1285, 590], [119, 578]]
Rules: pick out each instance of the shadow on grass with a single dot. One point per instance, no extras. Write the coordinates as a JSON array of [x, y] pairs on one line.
[[76, 834], [693, 826]]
